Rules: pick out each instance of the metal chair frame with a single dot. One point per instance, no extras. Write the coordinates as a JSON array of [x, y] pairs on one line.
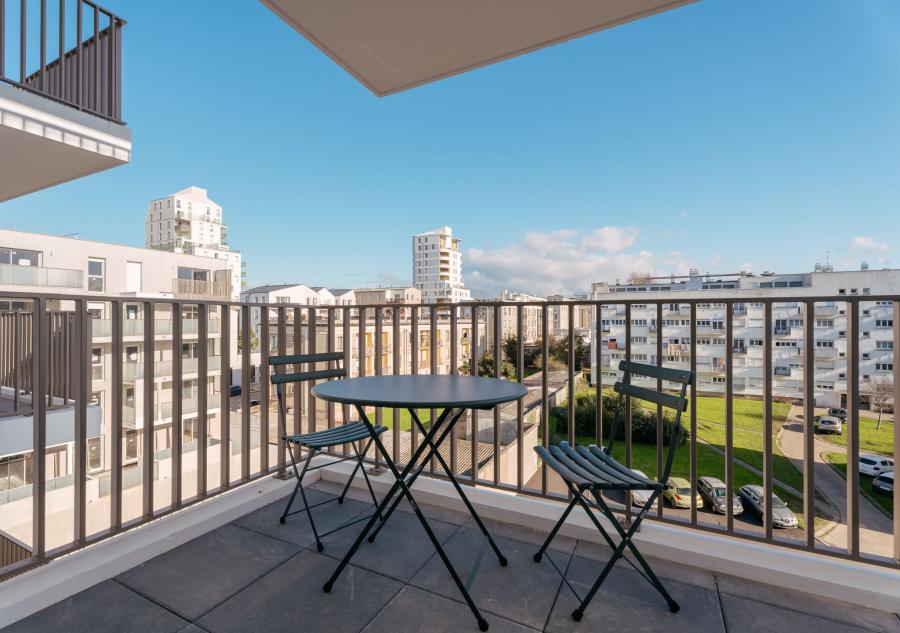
[[593, 469], [349, 433]]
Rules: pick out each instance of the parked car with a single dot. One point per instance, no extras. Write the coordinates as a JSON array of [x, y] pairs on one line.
[[828, 424], [640, 497], [678, 492], [838, 412], [884, 483], [715, 494], [234, 390], [752, 496], [874, 465]]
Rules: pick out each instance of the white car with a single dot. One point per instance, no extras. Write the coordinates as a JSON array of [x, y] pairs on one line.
[[884, 483], [640, 497], [828, 424], [874, 465]]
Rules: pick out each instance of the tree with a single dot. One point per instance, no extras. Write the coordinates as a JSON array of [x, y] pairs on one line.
[[486, 367], [559, 349], [254, 342], [511, 348], [637, 277], [881, 393]]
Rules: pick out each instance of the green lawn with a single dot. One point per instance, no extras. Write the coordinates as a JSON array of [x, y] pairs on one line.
[[406, 423], [838, 461], [880, 441]]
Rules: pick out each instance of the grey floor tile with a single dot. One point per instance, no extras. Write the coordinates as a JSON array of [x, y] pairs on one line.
[[523, 591], [662, 568], [528, 535], [105, 608], [627, 602], [749, 616], [195, 577], [416, 611], [291, 599], [192, 628], [836, 610], [297, 529], [399, 550]]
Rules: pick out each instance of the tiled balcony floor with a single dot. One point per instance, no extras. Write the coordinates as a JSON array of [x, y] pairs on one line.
[[257, 575]]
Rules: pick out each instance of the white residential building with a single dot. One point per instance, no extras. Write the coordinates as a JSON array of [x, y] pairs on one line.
[[189, 222], [295, 294], [830, 332], [437, 267], [532, 318]]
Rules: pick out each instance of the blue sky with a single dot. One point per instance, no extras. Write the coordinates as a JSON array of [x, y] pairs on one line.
[[723, 135]]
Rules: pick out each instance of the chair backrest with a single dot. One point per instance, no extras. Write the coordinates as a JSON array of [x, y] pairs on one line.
[[280, 377], [678, 402]]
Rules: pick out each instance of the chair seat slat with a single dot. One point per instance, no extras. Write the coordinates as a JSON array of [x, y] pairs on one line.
[[299, 359], [658, 397], [320, 374], [680, 376]]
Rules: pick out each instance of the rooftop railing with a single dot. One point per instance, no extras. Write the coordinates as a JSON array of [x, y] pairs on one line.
[[763, 436], [74, 57]]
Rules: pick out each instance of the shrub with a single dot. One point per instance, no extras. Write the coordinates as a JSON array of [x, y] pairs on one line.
[[643, 422]]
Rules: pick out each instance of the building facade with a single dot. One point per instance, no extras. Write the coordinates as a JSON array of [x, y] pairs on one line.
[[437, 267], [830, 332], [189, 222]]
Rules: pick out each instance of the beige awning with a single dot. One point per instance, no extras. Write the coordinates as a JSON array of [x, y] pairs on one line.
[[393, 45]]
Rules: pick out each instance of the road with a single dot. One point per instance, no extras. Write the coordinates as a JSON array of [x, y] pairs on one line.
[[875, 528]]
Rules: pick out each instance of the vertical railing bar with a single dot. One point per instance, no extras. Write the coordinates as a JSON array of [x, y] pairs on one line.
[[265, 393], [520, 407], [61, 68], [23, 32], [598, 378], [432, 363], [628, 402], [395, 370], [693, 405], [225, 397], [43, 71], [177, 400], [18, 341], [245, 393], [312, 317], [39, 427], [81, 341], [729, 416], [809, 423], [329, 346], [767, 419], [895, 316], [473, 370], [149, 413], [570, 435], [414, 369], [454, 369], [659, 413], [95, 74], [297, 348], [545, 392], [3, 37], [853, 545], [79, 16], [282, 351], [348, 365], [202, 398], [111, 67], [498, 325], [115, 477]]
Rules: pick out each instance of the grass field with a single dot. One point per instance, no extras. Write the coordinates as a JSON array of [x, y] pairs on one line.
[[838, 461], [880, 441], [406, 423]]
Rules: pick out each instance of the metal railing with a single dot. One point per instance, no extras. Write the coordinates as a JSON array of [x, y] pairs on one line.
[[567, 400], [87, 76], [12, 274]]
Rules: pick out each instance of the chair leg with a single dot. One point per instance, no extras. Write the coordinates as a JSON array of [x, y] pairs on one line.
[[352, 474], [299, 474], [540, 553], [361, 456]]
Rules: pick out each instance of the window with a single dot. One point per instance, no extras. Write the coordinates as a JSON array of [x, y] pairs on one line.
[[795, 322], [96, 363], [95, 453], [718, 380], [824, 322], [755, 342], [884, 366], [19, 257], [96, 275], [825, 386], [825, 344], [884, 344], [884, 323]]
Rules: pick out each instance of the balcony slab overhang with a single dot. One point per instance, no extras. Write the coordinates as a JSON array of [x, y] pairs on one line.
[[45, 143], [394, 45]]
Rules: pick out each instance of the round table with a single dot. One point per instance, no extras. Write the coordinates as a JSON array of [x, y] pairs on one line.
[[454, 395]]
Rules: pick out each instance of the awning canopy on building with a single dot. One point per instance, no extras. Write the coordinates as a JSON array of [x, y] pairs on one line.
[[393, 45]]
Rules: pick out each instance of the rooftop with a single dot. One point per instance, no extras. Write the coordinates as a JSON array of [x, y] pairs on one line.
[[253, 574]]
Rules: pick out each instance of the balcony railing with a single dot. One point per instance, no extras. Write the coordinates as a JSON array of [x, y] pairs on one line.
[[491, 448], [87, 76], [200, 289], [11, 274]]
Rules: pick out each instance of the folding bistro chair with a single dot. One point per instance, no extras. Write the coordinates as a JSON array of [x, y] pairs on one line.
[[592, 470], [350, 433]]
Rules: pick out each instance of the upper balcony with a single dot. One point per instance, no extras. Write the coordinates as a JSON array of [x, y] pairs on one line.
[[60, 105], [15, 275], [200, 289]]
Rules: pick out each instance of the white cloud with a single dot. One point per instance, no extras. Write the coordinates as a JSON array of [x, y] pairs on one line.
[[611, 239], [559, 263], [864, 243]]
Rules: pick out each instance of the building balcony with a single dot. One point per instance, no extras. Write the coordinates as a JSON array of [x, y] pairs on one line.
[[200, 289], [13, 275], [62, 114]]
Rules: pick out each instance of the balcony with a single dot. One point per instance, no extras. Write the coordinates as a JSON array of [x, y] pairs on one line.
[[63, 114], [507, 482], [201, 289], [13, 275]]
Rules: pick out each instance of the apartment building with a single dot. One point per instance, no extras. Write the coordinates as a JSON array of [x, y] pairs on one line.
[[188, 221], [558, 317], [35, 263], [376, 296], [830, 333], [532, 317], [437, 267], [295, 294]]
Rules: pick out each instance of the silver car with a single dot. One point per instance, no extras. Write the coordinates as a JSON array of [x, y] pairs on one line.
[[715, 496], [753, 497], [640, 497]]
